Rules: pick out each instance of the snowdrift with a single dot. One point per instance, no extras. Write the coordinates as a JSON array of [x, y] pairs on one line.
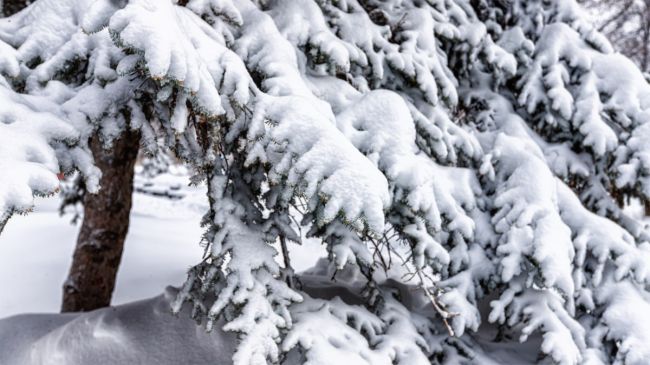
[[142, 332], [145, 332]]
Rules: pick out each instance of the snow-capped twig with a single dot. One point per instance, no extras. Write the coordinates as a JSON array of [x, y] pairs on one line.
[[445, 314]]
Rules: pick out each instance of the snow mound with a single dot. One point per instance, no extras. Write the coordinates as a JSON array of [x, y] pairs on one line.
[[142, 332], [145, 332]]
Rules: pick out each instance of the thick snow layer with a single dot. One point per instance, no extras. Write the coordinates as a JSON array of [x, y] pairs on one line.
[[142, 332], [145, 332]]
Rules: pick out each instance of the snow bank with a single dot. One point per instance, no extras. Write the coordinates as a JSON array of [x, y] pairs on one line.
[[143, 332]]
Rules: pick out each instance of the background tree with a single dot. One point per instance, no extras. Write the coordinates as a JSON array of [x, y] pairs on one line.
[[627, 25], [461, 162]]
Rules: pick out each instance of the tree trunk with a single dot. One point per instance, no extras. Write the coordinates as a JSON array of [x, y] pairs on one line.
[[98, 253]]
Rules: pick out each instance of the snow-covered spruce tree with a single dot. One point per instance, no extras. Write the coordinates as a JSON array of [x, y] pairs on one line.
[[462, 161]]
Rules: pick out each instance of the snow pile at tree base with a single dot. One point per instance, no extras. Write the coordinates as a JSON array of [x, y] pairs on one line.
[[142, 332], [145, 332]]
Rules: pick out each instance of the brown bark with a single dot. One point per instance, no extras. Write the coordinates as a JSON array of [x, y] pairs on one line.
[[100, 243]]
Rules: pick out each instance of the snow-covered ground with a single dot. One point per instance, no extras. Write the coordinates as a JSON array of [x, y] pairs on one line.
[[36, 250], [142, 332]]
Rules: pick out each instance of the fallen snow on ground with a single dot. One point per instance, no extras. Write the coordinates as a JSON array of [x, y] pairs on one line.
[[142, 332], [145, 332], [36, 251]]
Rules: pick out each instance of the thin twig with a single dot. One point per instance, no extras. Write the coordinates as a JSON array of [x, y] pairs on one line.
[[437, 306]]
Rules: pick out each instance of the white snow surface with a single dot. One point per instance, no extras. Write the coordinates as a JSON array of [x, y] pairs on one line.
[[36, 252], [142, 332], [145, 332]]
